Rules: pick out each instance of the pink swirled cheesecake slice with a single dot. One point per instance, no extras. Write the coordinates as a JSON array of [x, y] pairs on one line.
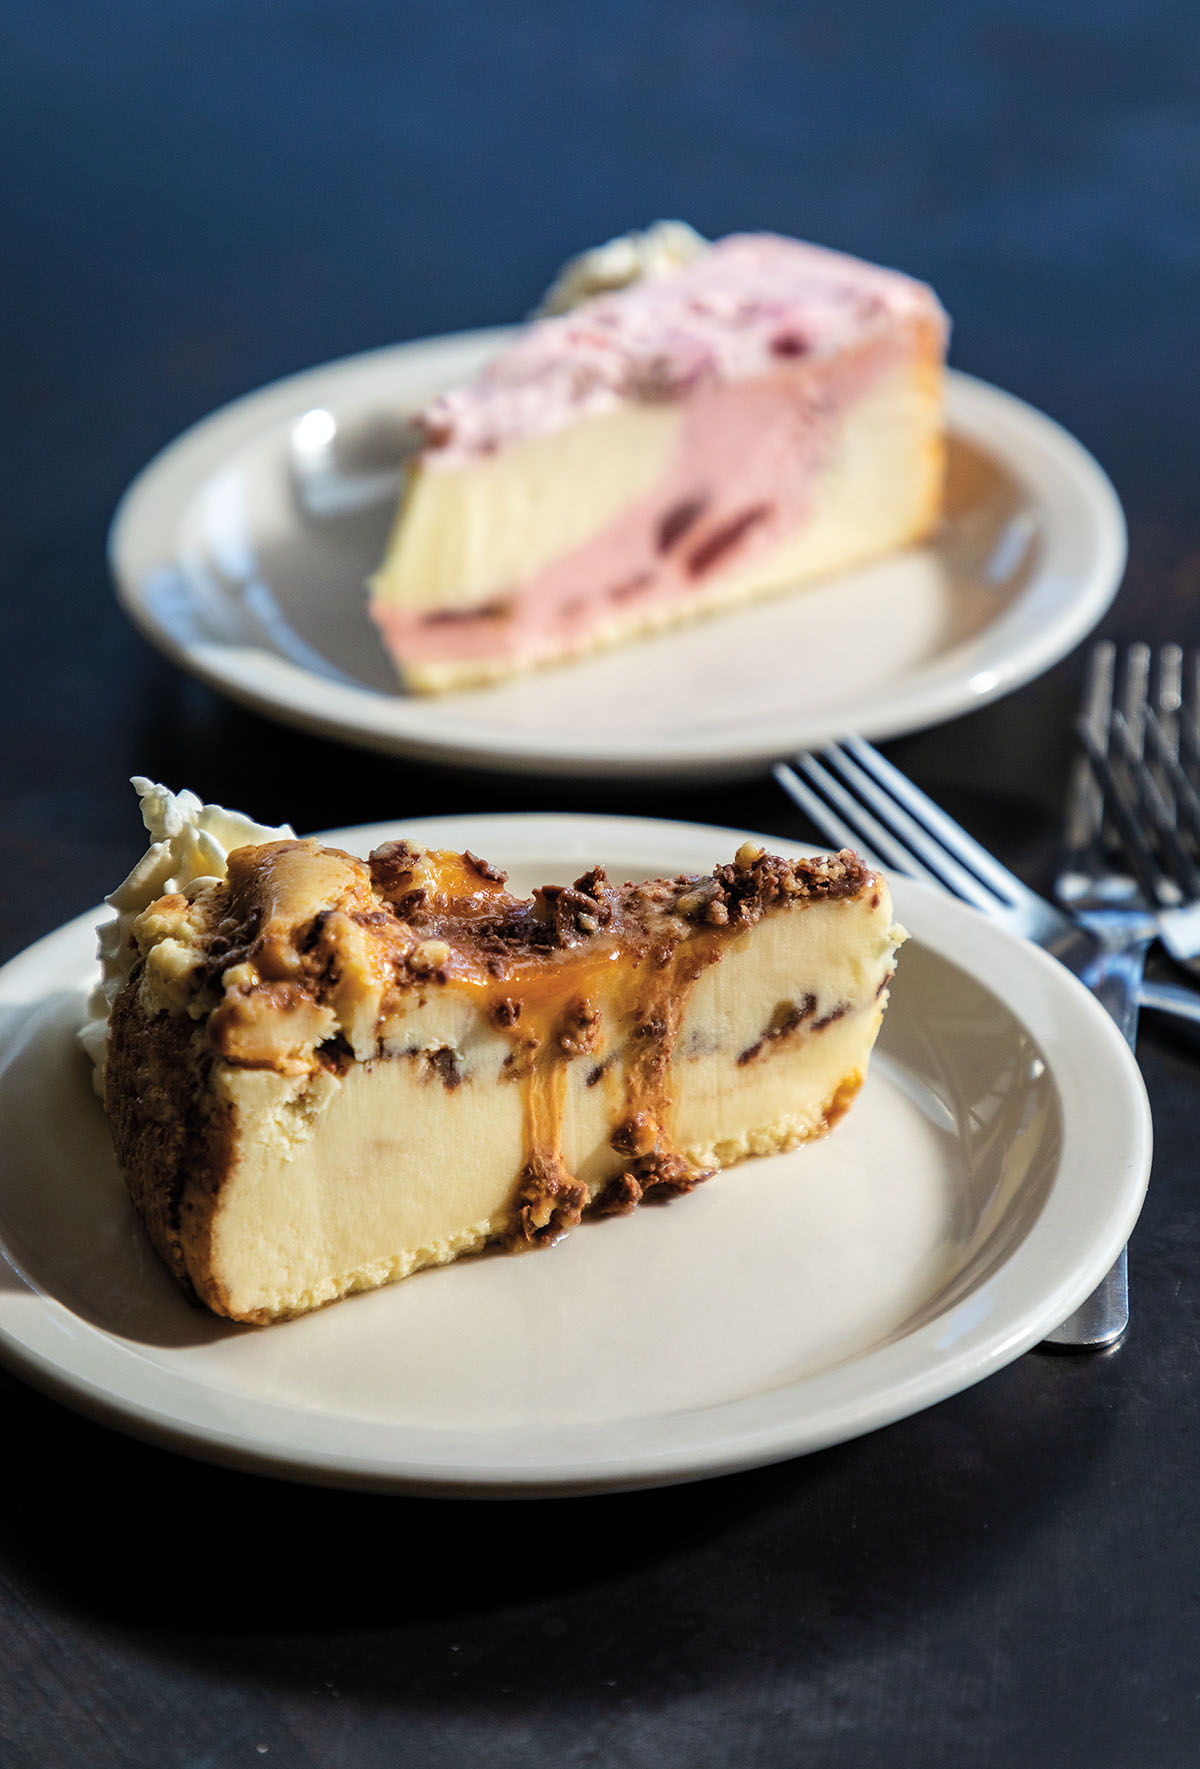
[[323, 1073], [761, 415]]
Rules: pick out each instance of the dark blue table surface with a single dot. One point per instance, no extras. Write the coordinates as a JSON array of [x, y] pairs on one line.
[[197, 197]]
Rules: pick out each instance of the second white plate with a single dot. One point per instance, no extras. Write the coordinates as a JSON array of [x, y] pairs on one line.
[[219, 563], [986, 1178]]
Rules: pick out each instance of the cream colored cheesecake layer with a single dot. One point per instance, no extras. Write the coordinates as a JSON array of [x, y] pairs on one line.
[[463, 536], [826, 968], [344, 1183], [353, 1183], [877, 489]]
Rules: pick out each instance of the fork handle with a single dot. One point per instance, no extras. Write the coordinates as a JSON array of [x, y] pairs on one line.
[[1177, 999], [1117, 986], [1103, 1317]]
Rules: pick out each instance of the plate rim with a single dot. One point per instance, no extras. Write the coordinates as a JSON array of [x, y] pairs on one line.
[[282, 690], [593, 1465]]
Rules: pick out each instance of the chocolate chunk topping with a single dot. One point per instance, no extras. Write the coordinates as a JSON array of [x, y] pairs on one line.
[[654, 1178], [636, 1136], [575, 912], [744, 891], [485, 869], [595, 884], [392, 865], [580, 1028], [620, 1196], [443, 1063], [549, 1202]]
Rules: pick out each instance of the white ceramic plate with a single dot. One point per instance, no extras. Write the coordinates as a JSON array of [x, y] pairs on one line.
[[989, 1173], [218, 563]]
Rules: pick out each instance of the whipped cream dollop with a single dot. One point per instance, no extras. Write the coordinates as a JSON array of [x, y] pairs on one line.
[[630, 258], [189, 845]]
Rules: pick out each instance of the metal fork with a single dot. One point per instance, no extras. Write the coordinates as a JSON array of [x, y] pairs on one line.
[[1108, 877], [1138, 825], [858, 799]]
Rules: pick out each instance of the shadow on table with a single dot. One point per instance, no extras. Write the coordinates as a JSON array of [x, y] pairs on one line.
[[430, 1604]]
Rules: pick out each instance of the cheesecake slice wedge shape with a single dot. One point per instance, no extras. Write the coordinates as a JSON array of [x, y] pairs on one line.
[[763, 415], [325, 1072]]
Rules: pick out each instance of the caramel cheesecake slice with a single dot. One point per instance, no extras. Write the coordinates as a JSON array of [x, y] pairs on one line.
[[324, 1072], [739, 419]]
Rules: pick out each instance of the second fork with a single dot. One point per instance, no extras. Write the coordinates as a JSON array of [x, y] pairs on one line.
[[857, 798], [1140, 732]]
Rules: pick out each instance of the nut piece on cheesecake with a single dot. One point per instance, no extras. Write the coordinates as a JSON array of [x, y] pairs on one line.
[[703, 424], [326, 1072]]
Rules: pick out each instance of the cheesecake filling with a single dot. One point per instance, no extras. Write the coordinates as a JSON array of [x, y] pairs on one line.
[[733, 484], [655, 453], [345, 1070]]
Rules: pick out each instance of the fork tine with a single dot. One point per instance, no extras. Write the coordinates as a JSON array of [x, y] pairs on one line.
[[854, 796], [1181, 790], [1189, 741], [1084, 819], [1189, 718], [1123, 805], [1140, 773], [1135, 694], [827, 820], [1169, 700], [901, 840], [1179, 805], [1150, 800], [920, 819], [1083, 855], [1160, 721]]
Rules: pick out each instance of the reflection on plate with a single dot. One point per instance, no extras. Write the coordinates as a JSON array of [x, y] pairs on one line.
[[226, 564], [952, 1219]]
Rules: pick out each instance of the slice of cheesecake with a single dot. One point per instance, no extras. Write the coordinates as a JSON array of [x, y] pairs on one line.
[[741, 422], [325, 1072]]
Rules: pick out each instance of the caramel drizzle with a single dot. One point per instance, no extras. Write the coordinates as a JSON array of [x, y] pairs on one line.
[[549, 1200], [645, 1132], [540, 968]]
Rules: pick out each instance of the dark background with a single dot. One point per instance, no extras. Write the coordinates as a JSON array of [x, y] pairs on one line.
[[199, 196]]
